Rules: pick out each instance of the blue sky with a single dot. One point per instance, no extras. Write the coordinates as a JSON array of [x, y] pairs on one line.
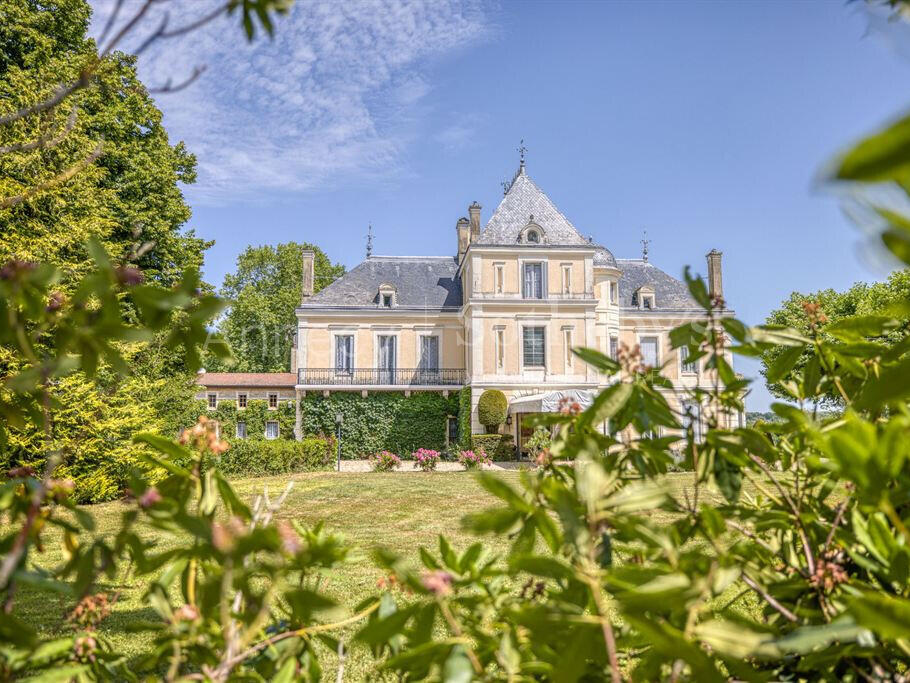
[[705, 124]]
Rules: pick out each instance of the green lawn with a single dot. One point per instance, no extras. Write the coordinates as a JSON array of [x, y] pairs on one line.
[[399, 511]]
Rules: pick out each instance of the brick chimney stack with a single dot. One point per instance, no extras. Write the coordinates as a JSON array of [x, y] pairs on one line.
[[463, 227], [474, 213], [715, 274], [309, 274]]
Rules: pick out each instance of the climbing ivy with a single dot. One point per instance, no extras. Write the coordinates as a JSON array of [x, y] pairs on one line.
[[255, 415], [464, 417], [386, 420]]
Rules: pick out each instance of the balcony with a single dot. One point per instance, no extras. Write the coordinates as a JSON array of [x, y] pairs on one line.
[[376, 377]]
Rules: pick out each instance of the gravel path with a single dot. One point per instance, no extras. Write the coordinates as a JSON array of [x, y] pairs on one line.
[[408, 466]]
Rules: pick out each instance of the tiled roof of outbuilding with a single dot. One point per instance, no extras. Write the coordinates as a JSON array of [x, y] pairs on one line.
[[523, 201], [420, 283], [247, 379], [668, 291]]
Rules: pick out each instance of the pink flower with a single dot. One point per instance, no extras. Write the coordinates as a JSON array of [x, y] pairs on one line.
[[438, 582]]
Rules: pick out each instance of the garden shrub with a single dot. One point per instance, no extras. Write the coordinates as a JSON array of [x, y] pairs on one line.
[[425, 459], [385, 461], [472, 460], [381, 421], [500, 447], [465, 428], [492, 408], [255, 457]]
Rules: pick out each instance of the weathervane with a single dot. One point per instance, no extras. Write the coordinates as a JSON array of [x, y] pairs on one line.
[[522, 150], [505, 187], [370, 240], [644, 246]]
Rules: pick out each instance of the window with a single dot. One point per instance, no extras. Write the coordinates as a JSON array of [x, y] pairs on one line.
[[387, 300], [429, 353], [241, 400], [614, 348], [635, 299], [499, 278], [271, 429], [533, 346], [566, 279], [533, 281], [648, 302], [688, 368], [612, 292], [692, 417], [500, 349], [241, 430], [213, 401], [649, 355], [567, 337], [387, 359], [344, 353], [273, 401], [452, 429], [533, 237]]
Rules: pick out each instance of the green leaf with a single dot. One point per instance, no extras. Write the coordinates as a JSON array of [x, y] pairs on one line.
[[597, 360], [858, 328], [882, 156], [886, 615], [784, 363], [457, 667]]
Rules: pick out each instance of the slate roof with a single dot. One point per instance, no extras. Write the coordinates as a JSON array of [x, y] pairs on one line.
[[524, 200], [247, 379], [420, 282], [603, 257], [668, 291]]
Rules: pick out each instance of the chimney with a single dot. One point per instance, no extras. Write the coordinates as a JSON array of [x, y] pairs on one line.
[[464, 236], [309, 265], [715, 275], [474, 213]]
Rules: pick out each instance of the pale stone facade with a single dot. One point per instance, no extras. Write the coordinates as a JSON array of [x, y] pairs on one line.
[[504, 313]]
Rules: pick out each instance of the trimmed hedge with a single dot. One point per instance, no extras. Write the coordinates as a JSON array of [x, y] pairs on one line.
[[491, 409], [381, 421], [254, 458], [500, 447]]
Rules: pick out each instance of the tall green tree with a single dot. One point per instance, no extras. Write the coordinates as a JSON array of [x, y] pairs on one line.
[[99, 164], [818, 310], [263, 292]]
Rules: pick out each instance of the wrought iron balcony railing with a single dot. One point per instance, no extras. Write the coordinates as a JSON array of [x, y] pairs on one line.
[[380, 377]]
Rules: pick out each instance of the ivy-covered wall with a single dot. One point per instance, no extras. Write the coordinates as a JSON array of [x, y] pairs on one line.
[[464, 418], [255, 415], [383, 420]]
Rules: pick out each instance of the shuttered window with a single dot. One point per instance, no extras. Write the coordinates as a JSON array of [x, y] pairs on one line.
[[344, 353], [533, 281], [533, 346], [649, 351], [429, 353]]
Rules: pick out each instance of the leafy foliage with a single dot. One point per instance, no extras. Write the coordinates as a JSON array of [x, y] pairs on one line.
[[264, 292], [492, 408], [500, 447], [254, 417], [381, 421], [255, 458]]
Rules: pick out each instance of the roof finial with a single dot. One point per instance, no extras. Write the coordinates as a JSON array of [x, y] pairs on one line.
[[370, 240], [522, 150], [644, 247], [505, 187]]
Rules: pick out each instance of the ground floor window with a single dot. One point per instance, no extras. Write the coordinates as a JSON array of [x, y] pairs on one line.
[[271, 429], [533, 346], [241, 430], [213, 401], [452, 429]]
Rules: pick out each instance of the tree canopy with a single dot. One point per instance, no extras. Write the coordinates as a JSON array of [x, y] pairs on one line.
[[263, 292], [878, 298]]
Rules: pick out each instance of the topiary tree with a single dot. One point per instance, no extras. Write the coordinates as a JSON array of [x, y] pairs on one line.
[[491, 409]]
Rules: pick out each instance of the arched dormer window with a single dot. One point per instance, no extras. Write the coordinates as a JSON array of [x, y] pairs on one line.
[[532, 233], [388, 296]]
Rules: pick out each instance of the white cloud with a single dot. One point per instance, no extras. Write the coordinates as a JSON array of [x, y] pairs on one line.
[[326, 97]]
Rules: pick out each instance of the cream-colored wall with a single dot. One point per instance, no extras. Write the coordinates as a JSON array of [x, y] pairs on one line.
[[320, 345], [511, 262], [512, 333]]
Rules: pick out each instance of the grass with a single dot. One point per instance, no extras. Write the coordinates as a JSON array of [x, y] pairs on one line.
[[398, 511]]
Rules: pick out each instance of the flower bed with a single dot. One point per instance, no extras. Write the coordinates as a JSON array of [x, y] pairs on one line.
[[385, 461], [425, 459], [472, 460]]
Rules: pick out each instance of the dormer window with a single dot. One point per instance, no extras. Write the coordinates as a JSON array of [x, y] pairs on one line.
[[533, 237], [386, 297], [532, 233], [644, 298]]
